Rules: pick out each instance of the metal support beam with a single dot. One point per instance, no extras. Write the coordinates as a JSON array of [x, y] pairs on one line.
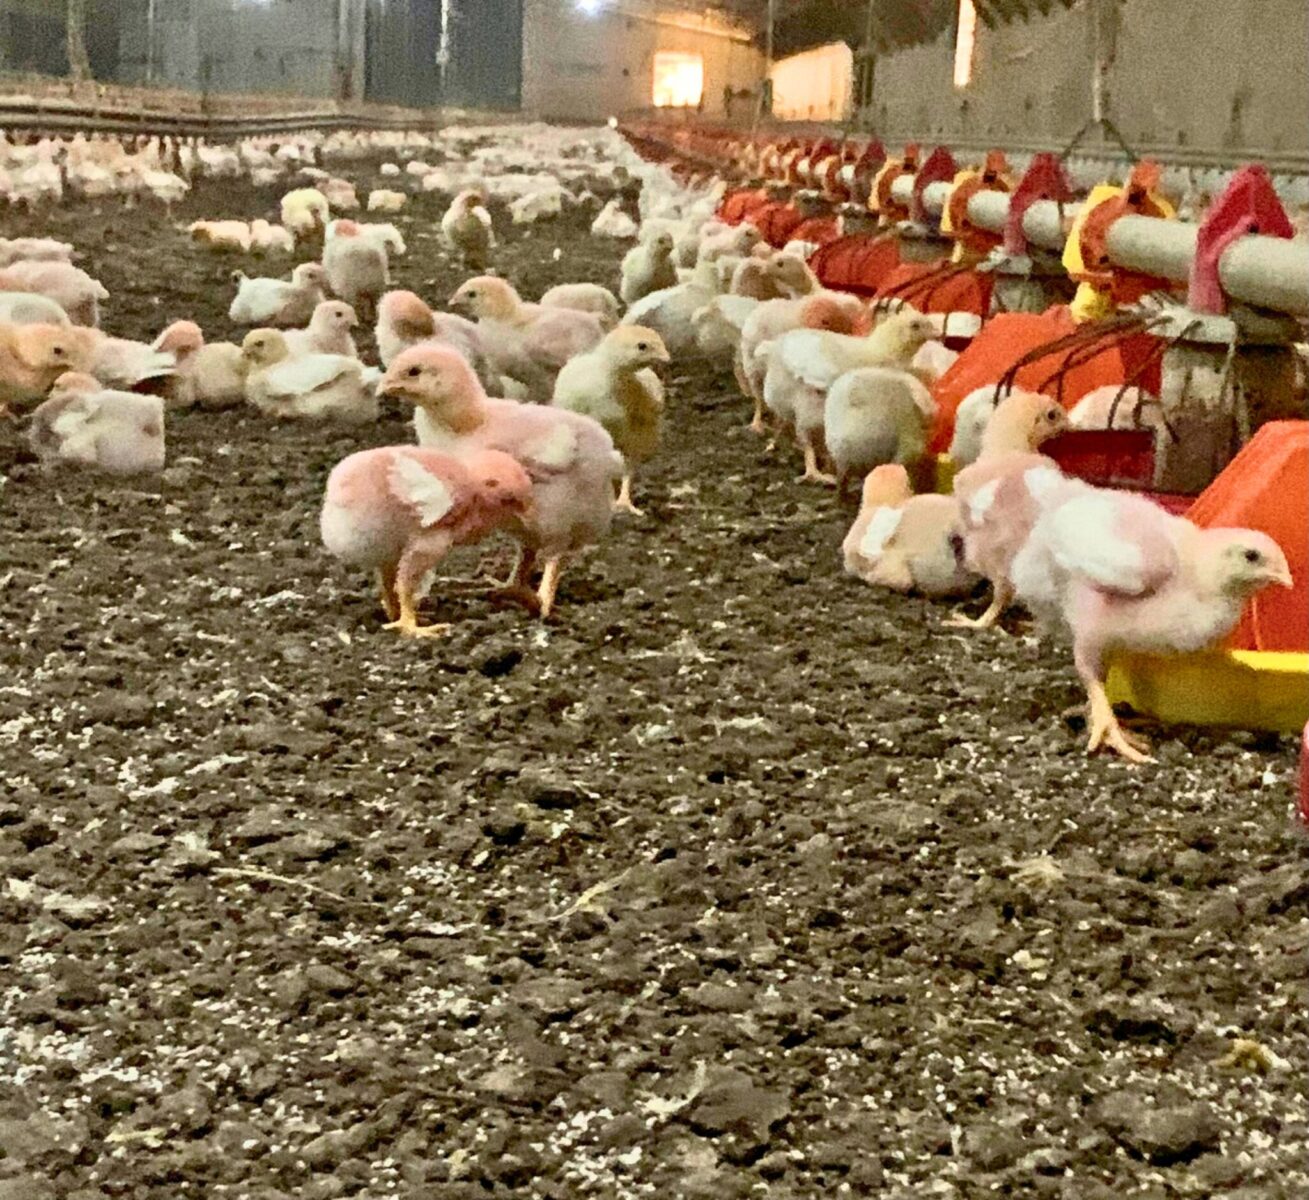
[[1260, 271]]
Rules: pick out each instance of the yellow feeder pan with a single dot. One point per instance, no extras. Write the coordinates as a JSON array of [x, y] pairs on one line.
[[1247, 689]]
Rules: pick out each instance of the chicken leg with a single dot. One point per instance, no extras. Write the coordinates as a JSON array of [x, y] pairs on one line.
[[812, 472], [386, 586], [624, 501], [1104, 729], [758, 423], [415, 563], [1001, 598], [549, 585], [517, 586]]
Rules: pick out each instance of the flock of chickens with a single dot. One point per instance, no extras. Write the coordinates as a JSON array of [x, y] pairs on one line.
[[531, 418]]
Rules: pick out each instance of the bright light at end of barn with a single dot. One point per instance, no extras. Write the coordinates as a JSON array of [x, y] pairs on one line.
[[678, 80], [589, 8], [965, 40]]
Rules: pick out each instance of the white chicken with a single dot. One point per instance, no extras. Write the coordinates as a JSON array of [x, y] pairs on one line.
[[585, 297], [328, 331], [85, 424], [305, 212], [283, 302], [613, 222], [386, 200], [314, 386]]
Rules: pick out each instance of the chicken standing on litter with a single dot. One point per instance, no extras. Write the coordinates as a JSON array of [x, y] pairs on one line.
[[466, 228], [648, 267], [399, 510], [1123, 575], [615, 384], [571, 459]]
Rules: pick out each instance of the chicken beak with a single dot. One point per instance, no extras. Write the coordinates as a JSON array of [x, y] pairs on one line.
[[1283, 576]]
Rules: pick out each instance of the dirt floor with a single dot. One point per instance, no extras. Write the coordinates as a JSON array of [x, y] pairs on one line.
[[737, 879]]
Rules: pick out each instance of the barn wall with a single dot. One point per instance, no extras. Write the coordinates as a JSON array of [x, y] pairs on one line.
[[587, 68], [1205, 76]]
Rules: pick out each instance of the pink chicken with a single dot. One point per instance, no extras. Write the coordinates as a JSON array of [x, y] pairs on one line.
[[996, 506], [1125, 576], [526, 342], [68, 286], [571, 459], [399, 510], [403, 320]]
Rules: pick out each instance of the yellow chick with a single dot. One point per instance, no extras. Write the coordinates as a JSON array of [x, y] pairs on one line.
[[615, 386]]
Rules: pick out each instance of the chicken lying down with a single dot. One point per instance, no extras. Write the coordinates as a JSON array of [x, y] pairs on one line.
[[570, 458], [266, 237], [32, 249], [466, 228], [805, 363], [1122, 575], [278, 302], [76, 292], [222, 236], [32, 357], [399, 510], [88, 425], [874, 416], [906, 542], [585, 297], [328, 331], [615, 384], [613, 222], [386, 200], [528, 343], [1112, 407], [316, 386], [27, 308], [305, 212], [997, 510]]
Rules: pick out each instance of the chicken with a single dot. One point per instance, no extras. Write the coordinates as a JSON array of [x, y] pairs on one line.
[[305, 212], [32, 357], [872, 416], [615, 385], [27, 308], [180, 342], [671, 311], [613, 222], [570, 458], [1125, 576], [932, 361], [385, 200], [587, 298], [68, 286], [970, 421], [1112, 407], [772, 319], [340, 194], [537, 206], [906, 542], [89, 425], [719, 323], [791, 276], [526, 342], [328, 331], [648, 267], [997, 509], [805, 363], [466, 228], [382, 234], [222, 236], [399, 510], [356, 267], [124, 364], [216, 375], [279, 302], [318, 386], [266, 237], [403, 320], [31, 249]]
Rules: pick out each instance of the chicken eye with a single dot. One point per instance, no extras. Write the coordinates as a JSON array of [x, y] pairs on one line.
[[1252, 556], [643, 345], [413, 372], [57, 351]]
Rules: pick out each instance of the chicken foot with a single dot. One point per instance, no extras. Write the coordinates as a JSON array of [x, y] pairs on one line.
[[1104, 729], [624, 501], [1001, 598]]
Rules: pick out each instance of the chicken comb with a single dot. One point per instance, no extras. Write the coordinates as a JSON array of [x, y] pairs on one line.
[[1247, 205], [1044, 179]]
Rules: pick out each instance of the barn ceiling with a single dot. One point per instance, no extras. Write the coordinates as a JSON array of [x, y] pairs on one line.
[[896, 24]]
